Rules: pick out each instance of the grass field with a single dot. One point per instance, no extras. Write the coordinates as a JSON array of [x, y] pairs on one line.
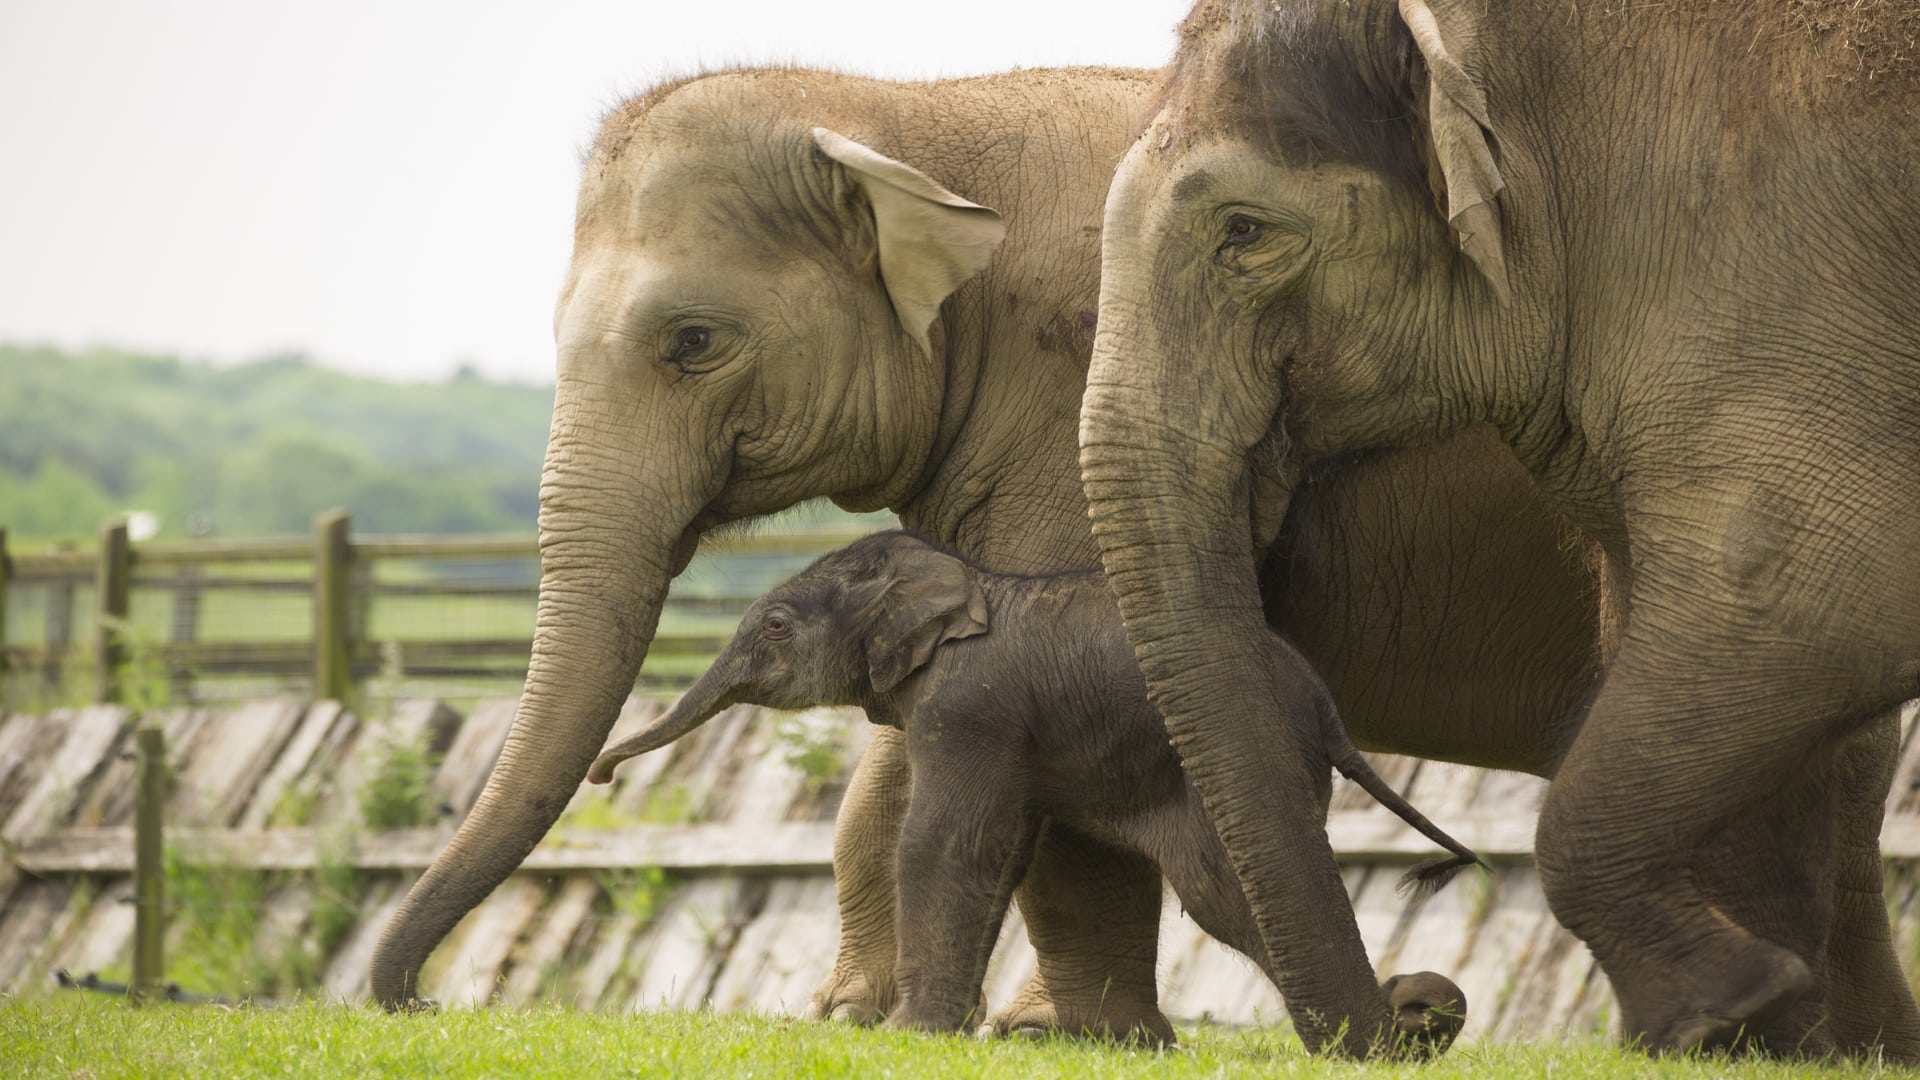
[[85, 1036]]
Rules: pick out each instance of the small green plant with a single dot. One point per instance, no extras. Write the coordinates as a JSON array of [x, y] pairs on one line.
[[336, 892], [382, 690], [398, 790], [145, 681], [668, 803], [635, 893], [214, 943], [295, 806], [214, 912], [810, 747], [597, 814]]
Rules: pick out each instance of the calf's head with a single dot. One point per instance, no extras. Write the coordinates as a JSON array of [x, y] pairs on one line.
[[847, 630]]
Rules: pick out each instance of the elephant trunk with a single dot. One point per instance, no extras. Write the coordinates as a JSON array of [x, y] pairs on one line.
[[713, 691], [1164, 449], [610, 541]]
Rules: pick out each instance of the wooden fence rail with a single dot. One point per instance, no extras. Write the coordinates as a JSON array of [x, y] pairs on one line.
[[327, 592]]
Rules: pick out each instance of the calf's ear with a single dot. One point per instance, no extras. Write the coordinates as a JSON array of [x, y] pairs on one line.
[[928, 598], [931, 240]]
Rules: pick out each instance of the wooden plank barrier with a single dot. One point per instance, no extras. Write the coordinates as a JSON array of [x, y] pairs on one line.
[[701, 876]]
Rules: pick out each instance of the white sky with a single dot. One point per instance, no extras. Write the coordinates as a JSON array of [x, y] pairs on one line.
[[389, 186]]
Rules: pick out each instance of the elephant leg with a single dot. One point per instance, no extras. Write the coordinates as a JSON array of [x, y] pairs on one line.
[[866, 838], [1782, 891], [1676, 748], [1093, 916], [1822, 897], [961, 852], [1869, 1002]]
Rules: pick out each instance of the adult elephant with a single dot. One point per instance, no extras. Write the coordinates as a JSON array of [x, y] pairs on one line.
[[785, 286], [1669, 254]]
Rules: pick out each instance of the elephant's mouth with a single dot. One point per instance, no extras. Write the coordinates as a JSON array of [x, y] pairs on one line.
[[1272, 471]]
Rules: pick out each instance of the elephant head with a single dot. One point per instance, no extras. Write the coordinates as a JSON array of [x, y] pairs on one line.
[[744, 287], [1285, 250], [845, 631]]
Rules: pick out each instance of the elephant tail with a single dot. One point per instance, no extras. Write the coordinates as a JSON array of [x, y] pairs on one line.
[[1428, 877], [1431, 876]]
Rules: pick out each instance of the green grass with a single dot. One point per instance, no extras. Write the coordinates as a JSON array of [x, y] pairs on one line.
[[78, 1035]]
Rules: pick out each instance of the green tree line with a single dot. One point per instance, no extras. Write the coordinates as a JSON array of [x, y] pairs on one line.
[[260, 447]]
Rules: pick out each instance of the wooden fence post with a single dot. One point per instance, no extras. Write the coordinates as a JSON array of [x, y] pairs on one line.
[[6, 571], [149, 869], [332, 596], [110, 610], [59, 623], [186, 628]]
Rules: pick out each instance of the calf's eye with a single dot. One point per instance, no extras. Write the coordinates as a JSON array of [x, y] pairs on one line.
[[776, 626]]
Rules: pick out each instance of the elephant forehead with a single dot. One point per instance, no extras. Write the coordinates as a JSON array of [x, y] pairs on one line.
[[715, 192], [1164, 188]]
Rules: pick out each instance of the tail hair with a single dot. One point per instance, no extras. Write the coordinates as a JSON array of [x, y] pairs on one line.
[[1429, 877]]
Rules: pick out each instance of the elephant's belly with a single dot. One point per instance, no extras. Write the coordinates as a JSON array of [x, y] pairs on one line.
[[1441, 600]]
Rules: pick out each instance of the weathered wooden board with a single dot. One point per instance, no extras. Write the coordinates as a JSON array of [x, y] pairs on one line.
[[231, 753], [57, 781], [470, 757], [535, 962], [310, 733], [466, 969], [743, 915], [345, 978], [771, 848]]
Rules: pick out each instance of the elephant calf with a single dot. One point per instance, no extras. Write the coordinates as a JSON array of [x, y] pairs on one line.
[[1020, 700]]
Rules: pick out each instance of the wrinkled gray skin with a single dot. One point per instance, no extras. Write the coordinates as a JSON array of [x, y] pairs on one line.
[[1669, 252], [1021, 702], [1429, 588], [750, 322]]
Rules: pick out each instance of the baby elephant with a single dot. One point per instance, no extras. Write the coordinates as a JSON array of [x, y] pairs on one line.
[[1021, 701]]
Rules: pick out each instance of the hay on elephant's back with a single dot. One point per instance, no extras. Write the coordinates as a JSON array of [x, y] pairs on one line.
[[1871, 42]]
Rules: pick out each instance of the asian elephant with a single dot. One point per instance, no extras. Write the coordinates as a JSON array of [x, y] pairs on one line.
[[787, 285], [1668, 252], [1021, 702]]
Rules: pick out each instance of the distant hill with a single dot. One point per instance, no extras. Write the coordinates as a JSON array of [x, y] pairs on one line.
[[260, 447]]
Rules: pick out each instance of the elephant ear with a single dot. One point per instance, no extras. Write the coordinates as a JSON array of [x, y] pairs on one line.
[[929, 597], [1458, 133], [931, 240]]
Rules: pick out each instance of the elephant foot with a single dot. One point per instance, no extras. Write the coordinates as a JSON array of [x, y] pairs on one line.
[[1429, 1011], [934, 1020], [1031, 1016], [1739, 1000], [851, 997]]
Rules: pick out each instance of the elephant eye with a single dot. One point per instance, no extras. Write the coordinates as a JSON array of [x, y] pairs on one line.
[[776, 627], [690, 342], [1242, 230]]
